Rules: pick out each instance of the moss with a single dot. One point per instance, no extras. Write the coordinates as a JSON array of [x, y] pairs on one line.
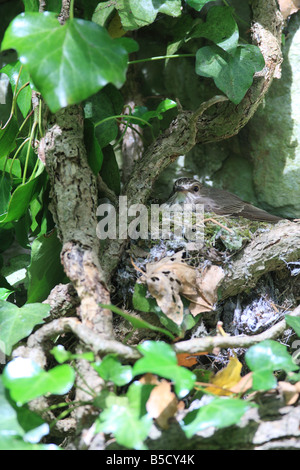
[[230, 233]]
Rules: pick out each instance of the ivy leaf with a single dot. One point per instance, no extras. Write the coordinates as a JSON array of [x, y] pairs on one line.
[[45, 269], [19, 421], [5, 188], [220, 27], [110, 369], [159, 358], [126, 417], [21, 198], [24, 97], [94, 152], [139, 322], [26, 380], [232, 72], [294, 322], [266, 357], [8, 137], [62, 355], [67, 63], [197, 4], [17, 443], [17, 323], [220, 412], [142, 111], [135, 14], [110, 172]]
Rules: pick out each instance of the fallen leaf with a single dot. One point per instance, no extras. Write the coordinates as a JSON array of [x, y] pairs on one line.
[[208, 282], [243, 385], [288, 7], [188, 359], [289, 392], [223, 381], [149, 379], [162, 404], [171, 277]]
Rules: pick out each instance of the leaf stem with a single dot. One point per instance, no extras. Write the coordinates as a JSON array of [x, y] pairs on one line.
[[160, 57], [28, 150], [16, 154], [123, 116], [71, 11]]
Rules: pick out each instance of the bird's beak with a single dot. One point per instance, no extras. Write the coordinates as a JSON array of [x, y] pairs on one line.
[[179, 195]]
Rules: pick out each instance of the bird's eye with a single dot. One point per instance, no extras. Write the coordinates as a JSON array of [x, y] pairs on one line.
[[196, 189]]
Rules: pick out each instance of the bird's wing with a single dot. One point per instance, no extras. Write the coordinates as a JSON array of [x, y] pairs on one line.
[[223, 202]]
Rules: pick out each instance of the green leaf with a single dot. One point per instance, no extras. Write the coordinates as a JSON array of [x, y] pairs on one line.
[[53, 5], [31, 5], [62, 355], [24, 97], [5, 293], [110, 172], [8, 137], [5, 188], [11, 166], [137, 322], [21, 198], [9, 423], [17, 443], [232, 73], [266, 357], [94, 152], [135, 14], [142, 111], [17, 323], [220, 27], [67, 63], [26, 380], [220, 413], [20, 421], [126, 417], [45, 270], [197, 4], [159, 358], [294, 322], [128, 429], [110, 369], [102, 12]]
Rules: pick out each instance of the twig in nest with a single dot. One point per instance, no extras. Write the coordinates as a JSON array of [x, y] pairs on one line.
[[210, 219]]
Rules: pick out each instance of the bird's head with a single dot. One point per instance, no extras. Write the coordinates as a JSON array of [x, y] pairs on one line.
[[185, 190]]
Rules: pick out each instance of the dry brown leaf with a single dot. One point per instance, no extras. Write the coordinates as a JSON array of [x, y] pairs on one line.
[[289, 392], [149, 379], [188, 359], [226, 378], [208, 282], [170, 277], [244, 384], [162, 404], [288, 7]]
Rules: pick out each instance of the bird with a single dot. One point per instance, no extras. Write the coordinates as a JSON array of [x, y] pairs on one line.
[[218, 201]]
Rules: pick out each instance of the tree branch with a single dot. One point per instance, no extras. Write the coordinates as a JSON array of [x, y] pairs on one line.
[[190, 128], [267, 252]]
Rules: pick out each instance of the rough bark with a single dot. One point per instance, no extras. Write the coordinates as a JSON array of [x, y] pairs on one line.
[[224, 120], [267, 252], [74, 203]]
